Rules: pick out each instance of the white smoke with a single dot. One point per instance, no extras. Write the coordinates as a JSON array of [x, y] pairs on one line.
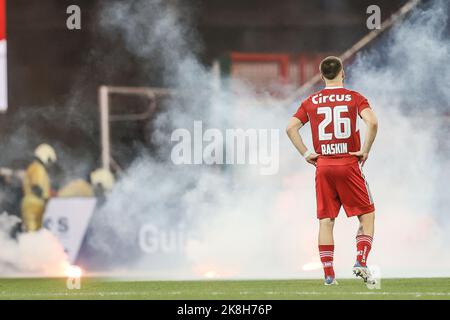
[[234, 222], [30, 254], [241, 224], [405, 80]]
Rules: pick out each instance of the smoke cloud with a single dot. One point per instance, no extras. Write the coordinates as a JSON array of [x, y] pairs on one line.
[[30, 254], [237, 223], [171, 221]]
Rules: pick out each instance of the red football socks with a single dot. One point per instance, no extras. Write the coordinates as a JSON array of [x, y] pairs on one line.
[[363, 246], [326, 256]]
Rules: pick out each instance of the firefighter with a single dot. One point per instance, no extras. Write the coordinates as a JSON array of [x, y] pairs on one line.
[[102, 181], [99, 182], [76, 188], [37, 187]]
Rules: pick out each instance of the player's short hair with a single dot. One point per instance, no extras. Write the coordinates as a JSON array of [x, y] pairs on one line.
[[330, 67]]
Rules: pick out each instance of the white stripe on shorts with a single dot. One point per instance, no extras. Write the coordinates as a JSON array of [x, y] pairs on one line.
[[367, 185]]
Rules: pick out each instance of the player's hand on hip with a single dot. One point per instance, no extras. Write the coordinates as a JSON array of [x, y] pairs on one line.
[[312, 158], [362, 156]]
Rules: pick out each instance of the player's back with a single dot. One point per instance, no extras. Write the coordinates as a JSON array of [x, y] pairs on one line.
[[333, 114]]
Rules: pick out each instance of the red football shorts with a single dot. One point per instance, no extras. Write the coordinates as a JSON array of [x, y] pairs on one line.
[[341, 184]]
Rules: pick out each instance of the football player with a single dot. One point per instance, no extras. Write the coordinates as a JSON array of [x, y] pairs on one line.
[[338, 156]]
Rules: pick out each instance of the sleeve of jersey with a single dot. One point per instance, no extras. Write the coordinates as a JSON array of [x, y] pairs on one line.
[[301, 114], [362, 103]]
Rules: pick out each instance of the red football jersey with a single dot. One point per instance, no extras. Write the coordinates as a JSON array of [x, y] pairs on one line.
[[333, 113]]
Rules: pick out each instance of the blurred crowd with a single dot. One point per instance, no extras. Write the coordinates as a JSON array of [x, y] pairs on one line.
[[25, 193]]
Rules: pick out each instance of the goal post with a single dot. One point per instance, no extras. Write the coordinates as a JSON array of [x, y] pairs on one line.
[[106, 117]]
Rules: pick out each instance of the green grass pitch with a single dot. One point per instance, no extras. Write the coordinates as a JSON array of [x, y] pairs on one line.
[[95, 288]]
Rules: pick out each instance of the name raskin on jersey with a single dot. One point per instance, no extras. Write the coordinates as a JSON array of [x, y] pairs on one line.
[[334, 148]]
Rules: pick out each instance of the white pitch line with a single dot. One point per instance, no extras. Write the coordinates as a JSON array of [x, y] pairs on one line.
[[271, 293], [379, 293], [75, 293]]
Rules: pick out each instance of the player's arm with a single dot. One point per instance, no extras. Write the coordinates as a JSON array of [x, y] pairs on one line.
[[293, 133], [371, 121]]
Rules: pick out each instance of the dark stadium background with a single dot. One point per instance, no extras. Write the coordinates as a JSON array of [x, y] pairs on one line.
[[54, 73]]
